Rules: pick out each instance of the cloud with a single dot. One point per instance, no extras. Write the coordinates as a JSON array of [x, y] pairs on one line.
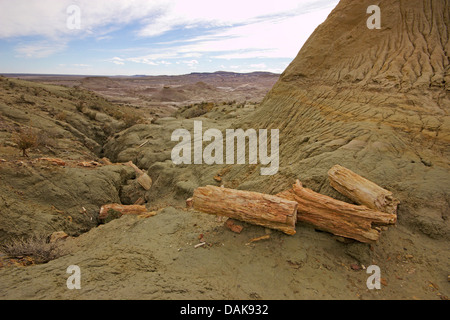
[[187, 33], [39, 49], [117, 60], [49, 18], [276, 36], [191, 63]]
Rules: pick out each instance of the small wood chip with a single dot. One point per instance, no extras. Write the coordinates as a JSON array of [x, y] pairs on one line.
[[199, 245], [106, 161], [89, 164], [144, 143], [189, 203], [145, 181], [147, 215], [231, 225], [355, 267], [266, 237], [139, 201], [55, 161]]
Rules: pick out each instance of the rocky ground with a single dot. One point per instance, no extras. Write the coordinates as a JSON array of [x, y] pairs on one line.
[[157, 258]]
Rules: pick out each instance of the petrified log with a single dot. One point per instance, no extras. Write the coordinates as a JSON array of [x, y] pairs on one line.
[[142, 178], [255, 208], [119, 209], [337, 217], [231, 225], [361, 190], [89, 164]]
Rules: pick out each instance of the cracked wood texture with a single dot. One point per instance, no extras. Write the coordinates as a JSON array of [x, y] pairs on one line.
[[361, 190], [252, 207], [337, 217]]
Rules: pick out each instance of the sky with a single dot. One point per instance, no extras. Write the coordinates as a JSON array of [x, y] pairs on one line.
[[154, 37]]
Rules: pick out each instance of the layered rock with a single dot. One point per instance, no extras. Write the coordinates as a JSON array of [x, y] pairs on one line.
[[375, 101]]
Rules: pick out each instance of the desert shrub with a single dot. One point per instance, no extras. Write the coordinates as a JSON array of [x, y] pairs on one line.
[[46, 139], [196, 112], [36, 91], [37, 247], [92, 115], [22, 99], [26, 139], [115, 114], [80, 106], [107, 129], [96, 107]]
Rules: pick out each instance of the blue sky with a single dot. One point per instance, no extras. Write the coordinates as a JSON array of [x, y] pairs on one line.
[[154, 37]]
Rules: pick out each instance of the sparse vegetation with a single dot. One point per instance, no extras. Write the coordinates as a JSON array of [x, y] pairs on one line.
[[23, 99], [96, 107], [46, 139], [91, 114], [197, 109], [130, 119], [79, 106], [61, 116], [37, 247]]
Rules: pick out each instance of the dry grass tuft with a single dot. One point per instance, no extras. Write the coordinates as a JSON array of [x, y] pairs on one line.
[[37, 247]]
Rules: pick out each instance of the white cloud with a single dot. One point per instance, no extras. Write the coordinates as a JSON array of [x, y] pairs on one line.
[[48, 18], [191, 63], [278, 37], [117, 60], [259, 66], [272, 38]]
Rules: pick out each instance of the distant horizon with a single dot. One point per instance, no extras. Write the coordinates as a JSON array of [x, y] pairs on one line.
[[164, 37]]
